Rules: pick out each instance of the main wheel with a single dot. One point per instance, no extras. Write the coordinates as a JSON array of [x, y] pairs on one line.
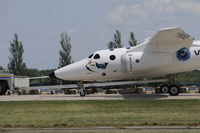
[[82, 93], [3, 88], [174, 90], [164, 88]]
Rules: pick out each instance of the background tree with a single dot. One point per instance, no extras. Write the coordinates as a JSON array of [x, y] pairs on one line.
[[116, 43], [16, 65], [132, 41], [65, 57], [1, 69]]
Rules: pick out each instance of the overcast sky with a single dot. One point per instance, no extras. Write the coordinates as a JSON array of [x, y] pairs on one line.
[[90, 23]]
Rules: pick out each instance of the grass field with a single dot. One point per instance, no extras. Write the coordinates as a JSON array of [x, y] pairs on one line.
[[103, 131], [143, 131], [116, 113], [153, 131]]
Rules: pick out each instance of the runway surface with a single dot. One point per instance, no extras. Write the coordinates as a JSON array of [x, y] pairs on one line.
[[98, 97]]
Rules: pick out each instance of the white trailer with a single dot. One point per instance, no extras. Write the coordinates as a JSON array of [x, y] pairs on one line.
[[21, 82]]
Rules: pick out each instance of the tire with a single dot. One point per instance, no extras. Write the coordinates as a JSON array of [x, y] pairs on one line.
[[164, 88], [82, 93], [3, 87], [174, 90]]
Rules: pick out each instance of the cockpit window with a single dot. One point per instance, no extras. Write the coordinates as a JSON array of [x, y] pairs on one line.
[[91, 56], [97, 56]]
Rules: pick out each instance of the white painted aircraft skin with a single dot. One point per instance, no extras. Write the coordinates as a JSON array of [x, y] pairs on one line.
[[169, 51]]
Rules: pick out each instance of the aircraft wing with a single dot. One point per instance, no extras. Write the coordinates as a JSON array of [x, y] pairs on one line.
[[170, 40]]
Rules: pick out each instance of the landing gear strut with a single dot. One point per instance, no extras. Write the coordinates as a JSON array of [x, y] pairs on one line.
[[82, 89]]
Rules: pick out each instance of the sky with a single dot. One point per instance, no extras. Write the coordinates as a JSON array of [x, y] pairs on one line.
[[90, 23]]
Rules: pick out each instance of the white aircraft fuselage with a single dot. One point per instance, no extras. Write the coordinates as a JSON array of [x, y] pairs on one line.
[[170, 51]]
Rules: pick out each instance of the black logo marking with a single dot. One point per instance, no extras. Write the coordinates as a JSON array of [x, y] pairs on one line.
[[197, 52]]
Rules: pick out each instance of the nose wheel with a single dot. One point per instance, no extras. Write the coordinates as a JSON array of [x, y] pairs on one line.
[[82, 93], [82, 89]]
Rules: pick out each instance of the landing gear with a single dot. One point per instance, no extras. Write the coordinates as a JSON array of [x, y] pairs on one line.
[[82, 89], [170, 87], [3, 87], [82, 93], [164, 88], [173, 90]]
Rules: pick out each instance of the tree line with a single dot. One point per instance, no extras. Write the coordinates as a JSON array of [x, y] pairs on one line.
[[18, 67], [116, 42]]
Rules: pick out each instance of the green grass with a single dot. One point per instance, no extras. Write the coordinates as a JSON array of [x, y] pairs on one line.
[[151, 131], [103, 131], [117, 113]]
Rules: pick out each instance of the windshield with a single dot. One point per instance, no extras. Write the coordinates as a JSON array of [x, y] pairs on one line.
[[97, 56], [91, 56]]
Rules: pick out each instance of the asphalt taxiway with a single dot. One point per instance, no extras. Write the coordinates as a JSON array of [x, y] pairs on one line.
[[98, 97]]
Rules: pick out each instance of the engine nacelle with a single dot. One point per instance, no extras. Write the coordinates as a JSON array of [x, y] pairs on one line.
[[137, 61]]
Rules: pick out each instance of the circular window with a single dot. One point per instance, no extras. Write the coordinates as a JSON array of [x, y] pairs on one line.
[[103, 74], [137, 61], [112, 57]]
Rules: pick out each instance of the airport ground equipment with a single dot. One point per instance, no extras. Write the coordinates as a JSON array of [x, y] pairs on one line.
[[9, 81], [6, 82]]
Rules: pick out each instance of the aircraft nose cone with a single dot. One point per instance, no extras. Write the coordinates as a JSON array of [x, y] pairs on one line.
[[74, 71], [52, 75]]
